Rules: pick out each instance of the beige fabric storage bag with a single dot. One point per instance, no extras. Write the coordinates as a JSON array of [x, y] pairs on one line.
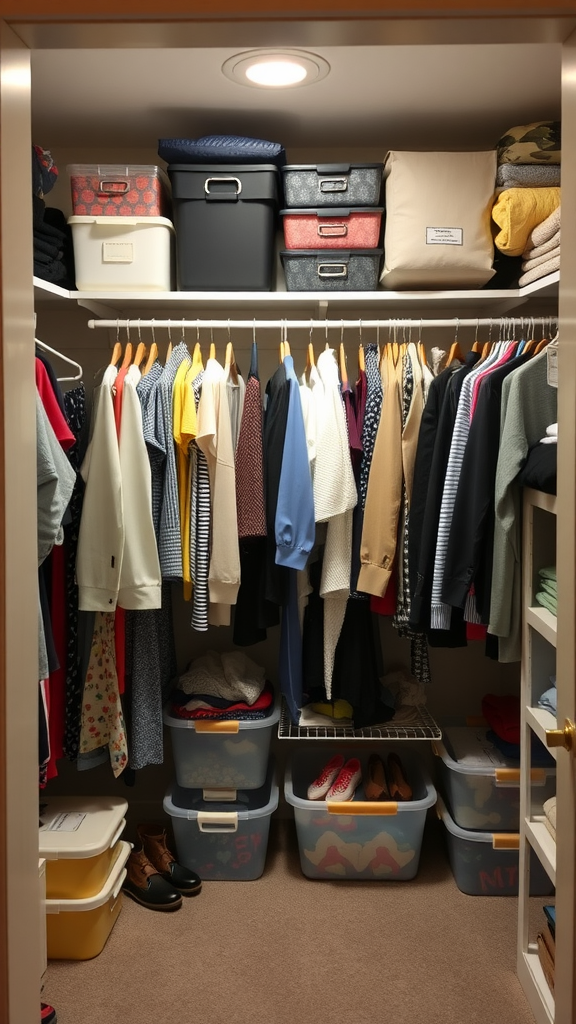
[[438, 219]]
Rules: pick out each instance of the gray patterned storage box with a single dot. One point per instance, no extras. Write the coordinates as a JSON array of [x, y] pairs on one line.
[[332, 184], [310, 270]]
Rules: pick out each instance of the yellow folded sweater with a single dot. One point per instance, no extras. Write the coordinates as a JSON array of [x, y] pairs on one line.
[[517, 211]]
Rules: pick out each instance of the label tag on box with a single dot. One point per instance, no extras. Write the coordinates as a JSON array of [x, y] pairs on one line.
[[444, 236], [64, 823], [117, 252]]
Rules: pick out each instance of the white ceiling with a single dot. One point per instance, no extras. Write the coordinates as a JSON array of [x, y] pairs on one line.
[[402, 97]]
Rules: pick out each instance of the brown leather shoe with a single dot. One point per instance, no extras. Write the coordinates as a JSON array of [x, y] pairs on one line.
[[147, 886], [153, 838], [375, 786], [400, 788]]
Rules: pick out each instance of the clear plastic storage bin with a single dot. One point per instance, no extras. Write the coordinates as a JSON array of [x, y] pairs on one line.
[[224, 841], [221, 755], [119, 190], [358, 839], [122, 254], [79, 839], [481, 786], [79, 929], [486, 863]]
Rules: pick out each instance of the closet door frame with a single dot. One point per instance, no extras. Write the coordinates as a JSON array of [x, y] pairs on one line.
[[34, 27]]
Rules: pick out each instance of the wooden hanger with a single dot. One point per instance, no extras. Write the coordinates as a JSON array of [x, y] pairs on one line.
[[361, 359], [168, 351], [140, 354], [310, 357], [116, 354], [127, 356], [486, 350], [230, 362], [197, 354], [422, 354], [281, 352], [540, 345], [455, 353], [152, 357], [343, 368]]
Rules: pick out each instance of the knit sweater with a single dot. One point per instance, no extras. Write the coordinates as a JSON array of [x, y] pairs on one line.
[[529, 404]]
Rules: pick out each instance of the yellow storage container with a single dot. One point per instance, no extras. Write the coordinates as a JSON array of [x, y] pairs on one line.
[[79, 929], [79, 840]]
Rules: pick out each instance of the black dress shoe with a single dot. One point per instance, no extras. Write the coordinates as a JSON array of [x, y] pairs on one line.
[[147, 886], [153, 838]]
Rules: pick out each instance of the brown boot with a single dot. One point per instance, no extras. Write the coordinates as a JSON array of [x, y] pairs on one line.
[[153, 839], [147, 886]]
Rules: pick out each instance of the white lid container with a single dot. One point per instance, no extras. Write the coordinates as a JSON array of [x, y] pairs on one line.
[[76, 827], [112, 888], [123, 253]]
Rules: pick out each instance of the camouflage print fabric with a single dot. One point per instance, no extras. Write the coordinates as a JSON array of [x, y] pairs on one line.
[[535, 143]]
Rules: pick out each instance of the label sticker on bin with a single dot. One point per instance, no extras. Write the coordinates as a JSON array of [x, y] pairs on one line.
[[63, 823]]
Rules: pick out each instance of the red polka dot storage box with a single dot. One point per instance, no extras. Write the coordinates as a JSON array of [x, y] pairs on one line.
[[119, 190]]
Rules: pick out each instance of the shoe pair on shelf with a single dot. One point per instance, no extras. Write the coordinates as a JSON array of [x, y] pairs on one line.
[[154, 878], [339, 779], [386, 782]]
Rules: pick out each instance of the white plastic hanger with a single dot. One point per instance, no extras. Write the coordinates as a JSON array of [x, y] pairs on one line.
[[65, 359]]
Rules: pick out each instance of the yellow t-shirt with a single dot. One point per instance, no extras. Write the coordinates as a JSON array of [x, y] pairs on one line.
[[185, 430]]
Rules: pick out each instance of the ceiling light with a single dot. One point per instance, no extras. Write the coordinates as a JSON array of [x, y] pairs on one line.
[[275, 69]]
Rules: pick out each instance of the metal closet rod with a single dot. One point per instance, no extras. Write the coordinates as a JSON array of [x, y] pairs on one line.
[[312, 324]]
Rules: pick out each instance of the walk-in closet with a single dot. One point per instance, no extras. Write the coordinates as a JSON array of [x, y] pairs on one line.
[[304, 935]]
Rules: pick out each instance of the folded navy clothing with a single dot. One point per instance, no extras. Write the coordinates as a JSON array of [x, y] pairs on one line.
[[221, 149], [47, 248], [54, 272], [540, 757]]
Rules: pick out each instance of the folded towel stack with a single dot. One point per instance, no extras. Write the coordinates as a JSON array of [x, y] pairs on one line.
[[526, 213], [547, 595], [541, 255]]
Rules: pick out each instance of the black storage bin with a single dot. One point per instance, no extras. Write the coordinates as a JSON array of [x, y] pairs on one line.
[[331, 270], [225, 218]]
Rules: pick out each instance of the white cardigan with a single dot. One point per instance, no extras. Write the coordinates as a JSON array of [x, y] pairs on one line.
[[117, 560]]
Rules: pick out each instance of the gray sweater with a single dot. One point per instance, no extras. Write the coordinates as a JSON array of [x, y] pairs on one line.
[[529, 405]]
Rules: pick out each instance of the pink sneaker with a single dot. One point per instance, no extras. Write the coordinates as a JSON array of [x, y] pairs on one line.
[[318, 789], [347, 782]]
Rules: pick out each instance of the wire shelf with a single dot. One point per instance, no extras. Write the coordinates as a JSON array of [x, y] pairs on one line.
[[425, 728]]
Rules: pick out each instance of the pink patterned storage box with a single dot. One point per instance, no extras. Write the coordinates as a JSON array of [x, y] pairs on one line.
[[332, 228]]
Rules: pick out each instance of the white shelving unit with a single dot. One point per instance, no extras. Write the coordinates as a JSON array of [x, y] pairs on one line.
[[538, 663]]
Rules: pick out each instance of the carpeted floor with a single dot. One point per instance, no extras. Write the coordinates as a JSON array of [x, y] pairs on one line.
[[284, 950]]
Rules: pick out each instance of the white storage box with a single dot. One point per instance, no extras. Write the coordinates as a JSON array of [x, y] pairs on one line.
[[123, 254], [224, 841], [481, 786], [79, 839], [486, 863], [438, 208], [79, 929], [221, 755], [358, 839]]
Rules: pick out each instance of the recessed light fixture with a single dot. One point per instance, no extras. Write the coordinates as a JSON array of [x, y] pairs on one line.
[[275, 69]]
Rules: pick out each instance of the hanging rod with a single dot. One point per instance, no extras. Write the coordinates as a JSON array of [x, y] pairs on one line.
[[311, 324]]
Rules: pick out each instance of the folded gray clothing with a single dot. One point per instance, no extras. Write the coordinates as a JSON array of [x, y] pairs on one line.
[[232, 676], [543, 231], [537, 261], [540, 250], [549, 700], [527, 176], [545, 268]]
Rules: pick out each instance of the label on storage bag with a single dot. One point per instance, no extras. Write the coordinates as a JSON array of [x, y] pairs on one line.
[[444, 236]]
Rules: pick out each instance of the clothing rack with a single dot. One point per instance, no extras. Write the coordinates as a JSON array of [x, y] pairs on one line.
[[284, 324]]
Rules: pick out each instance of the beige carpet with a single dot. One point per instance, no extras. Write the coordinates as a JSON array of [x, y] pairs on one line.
[[285, 950]]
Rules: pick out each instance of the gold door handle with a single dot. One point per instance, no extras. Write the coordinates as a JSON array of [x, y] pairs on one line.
[[565, 737]]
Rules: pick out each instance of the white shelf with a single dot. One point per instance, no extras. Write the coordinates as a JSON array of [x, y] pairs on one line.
[[540, 499], [543, 622], [424, 728], [540, 721], [542, 842], [536, 987], [497, 301]]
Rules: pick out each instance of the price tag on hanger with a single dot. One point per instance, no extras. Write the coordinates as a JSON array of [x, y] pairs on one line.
[[552, 369]]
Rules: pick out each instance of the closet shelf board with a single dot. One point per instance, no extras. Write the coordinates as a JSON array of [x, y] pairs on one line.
[[496, 301], [540, 499], [540, 721], [543, 844], [425, 728], [536, 987], [543, 622]]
